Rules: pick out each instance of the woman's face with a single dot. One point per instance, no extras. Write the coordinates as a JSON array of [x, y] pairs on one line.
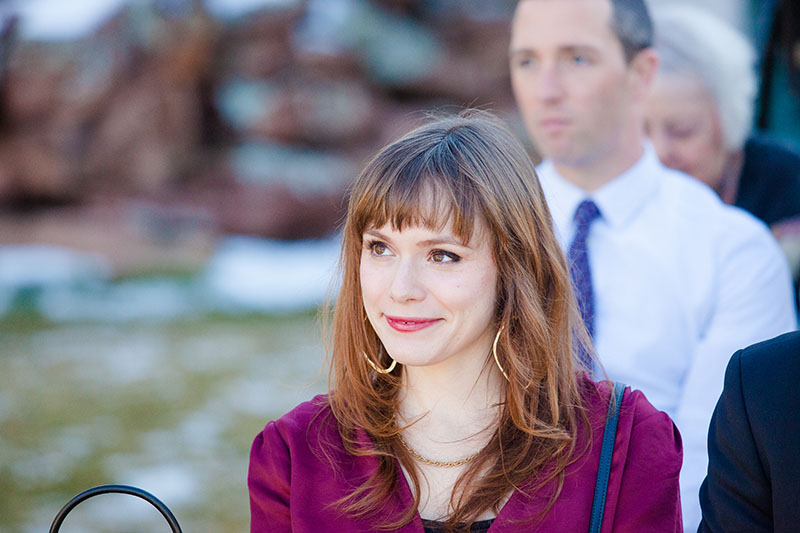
[[683, 122], [430, 297]]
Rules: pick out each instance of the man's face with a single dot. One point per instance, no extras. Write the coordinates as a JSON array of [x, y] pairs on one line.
[[570, 78]]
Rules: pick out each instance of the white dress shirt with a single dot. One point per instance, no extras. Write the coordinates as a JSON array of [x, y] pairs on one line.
[[681, 281]]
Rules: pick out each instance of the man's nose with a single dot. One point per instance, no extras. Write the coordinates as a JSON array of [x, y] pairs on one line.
[[549, 85]]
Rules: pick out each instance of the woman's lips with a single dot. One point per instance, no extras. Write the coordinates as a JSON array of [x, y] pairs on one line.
[[408, 324]]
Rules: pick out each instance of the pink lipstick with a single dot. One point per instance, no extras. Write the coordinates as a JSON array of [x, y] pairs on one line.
[[409, 324]]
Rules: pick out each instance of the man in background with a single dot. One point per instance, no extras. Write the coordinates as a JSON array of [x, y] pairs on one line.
[[670, 281]]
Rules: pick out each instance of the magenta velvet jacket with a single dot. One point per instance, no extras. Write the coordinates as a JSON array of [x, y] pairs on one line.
[[292, 484]]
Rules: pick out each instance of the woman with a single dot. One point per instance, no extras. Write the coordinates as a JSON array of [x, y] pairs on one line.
[[699, 115], [455, 400]]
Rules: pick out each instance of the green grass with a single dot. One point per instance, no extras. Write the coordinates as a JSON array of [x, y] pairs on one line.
[[87, 404]]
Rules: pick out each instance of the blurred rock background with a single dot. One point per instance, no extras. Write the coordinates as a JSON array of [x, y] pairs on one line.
[[166, 124], [136, 136]]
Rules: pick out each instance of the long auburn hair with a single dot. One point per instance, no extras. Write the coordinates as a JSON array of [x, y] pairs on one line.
[[477, 170]]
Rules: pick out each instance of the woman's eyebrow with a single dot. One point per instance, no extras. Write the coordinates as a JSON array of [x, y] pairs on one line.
[[442, 240], [376, 233], [438, 240]]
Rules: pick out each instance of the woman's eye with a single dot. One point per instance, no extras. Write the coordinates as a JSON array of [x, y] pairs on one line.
[[681, 132], [440, 256], [378, 248]]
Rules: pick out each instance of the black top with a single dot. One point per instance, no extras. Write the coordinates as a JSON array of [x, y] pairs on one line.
[[432, 526], [769, 184]]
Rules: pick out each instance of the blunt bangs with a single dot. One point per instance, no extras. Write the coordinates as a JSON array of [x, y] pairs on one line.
[[427, 188]]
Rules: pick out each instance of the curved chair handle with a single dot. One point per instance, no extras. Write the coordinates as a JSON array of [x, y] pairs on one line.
[[120, 489]]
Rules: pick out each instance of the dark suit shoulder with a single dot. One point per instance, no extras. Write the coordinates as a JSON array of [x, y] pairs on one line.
[[770, 390], [769, 373], [771, 361]]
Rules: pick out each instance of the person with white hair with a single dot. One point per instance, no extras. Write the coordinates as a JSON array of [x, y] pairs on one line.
[[700, 111]]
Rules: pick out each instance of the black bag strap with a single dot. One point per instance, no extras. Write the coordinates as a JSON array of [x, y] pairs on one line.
[[606, 452], [119, 489]]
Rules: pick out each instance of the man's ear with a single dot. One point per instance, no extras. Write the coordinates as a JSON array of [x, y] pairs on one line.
[[642, 70]]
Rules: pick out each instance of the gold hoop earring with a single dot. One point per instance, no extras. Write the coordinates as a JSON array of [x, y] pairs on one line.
[[494, 352], [376, 368]]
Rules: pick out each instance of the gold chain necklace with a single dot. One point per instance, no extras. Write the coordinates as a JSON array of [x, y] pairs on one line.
[[431, 462]]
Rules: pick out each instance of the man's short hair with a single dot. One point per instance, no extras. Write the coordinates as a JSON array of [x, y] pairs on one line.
[[631, 22]]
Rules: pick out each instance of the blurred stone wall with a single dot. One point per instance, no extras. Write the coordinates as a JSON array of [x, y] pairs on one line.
[[171, 125]]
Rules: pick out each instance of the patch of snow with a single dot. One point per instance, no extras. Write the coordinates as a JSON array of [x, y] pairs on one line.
[[231, 9], [57, 20], [35, 265], [266, 275]]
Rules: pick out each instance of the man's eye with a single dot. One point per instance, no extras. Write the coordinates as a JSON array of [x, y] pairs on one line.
[[523, 62]]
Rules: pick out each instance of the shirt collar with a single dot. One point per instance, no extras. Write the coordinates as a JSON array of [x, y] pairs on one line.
[[618, 200]]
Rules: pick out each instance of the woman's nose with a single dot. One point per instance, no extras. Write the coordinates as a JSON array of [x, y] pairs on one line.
[[407, 283], [663, 146]]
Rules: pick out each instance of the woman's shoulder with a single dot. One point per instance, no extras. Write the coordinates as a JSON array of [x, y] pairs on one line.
[[635, 414], [299, 437], [647, 447], [306, 412], [643, 485], [295, 424]]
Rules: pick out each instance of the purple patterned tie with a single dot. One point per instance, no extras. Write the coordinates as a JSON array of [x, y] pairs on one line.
[[578, 259]]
